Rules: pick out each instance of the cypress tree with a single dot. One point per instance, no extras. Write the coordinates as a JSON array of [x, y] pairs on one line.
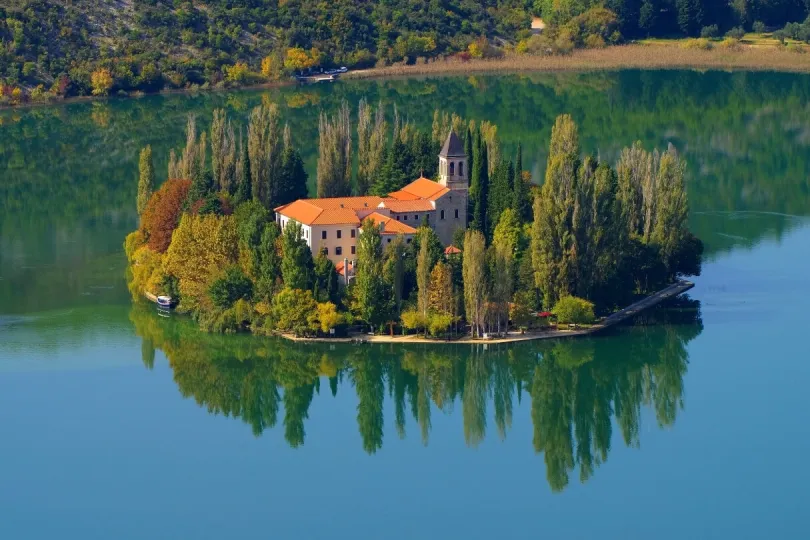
[[146, 181], [521, 198], [480, 194], [292, 178]]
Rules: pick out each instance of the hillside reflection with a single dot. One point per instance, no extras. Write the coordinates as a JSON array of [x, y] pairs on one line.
[[575, 389]]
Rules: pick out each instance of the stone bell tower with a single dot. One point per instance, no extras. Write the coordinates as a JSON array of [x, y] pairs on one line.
[[454, 169], [454, 174]]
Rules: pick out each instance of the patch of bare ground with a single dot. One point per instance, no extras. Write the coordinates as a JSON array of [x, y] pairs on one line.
[[633, 56]]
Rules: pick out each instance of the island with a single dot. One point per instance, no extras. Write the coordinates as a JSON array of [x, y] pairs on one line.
[[470, 249]]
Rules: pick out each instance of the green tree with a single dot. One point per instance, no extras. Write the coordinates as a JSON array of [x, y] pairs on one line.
[[552, 239], [296, 260], [292, 181], [372, 296], [325, 282], [423, 268], [521, 198], [295, 311], [394, 268], [146, 180], [500, 194], [232, 286], [570, 309], [479, 186], [265, 146], [475, 280], [243, 189]]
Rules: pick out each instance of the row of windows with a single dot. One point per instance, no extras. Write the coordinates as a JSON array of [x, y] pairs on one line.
[[338, 250], [339, 234], [415, 217]]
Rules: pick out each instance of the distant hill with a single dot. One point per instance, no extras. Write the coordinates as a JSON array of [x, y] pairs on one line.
[[147, 44]]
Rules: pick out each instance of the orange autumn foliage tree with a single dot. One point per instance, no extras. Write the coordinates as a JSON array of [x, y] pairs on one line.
[[162, 214]]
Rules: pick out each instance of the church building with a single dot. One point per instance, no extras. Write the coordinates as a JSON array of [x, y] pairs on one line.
[[334, 224]]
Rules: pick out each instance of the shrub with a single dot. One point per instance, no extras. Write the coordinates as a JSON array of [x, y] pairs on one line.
[[758, 27], [232, 286], [709, 31], [702, 44], [412, 319], [571, 309], [328, 316], [731, 44], [295, 311], [595, 41], [132, 242], [736, 32], [438, 323]]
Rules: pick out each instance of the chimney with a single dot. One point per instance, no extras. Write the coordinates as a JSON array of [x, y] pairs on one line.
[[346, 269]]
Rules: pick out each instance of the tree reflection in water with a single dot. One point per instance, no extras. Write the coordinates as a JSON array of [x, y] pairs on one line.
[[576, 387]]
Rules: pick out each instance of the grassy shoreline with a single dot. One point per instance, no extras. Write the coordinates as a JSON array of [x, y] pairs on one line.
[[650, 55], [633, 56]]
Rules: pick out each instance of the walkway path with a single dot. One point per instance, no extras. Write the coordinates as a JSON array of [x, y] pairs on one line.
[[675, 289]]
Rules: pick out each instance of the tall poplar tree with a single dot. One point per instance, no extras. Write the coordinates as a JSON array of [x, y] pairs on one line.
[[223, 151], [265, 147], [146, 179], [335, 154], [475, 280], [371, 145], [243, 192], [552, 238]]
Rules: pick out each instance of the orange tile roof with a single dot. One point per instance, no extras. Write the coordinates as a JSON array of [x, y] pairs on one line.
[[451, 250], [425, 188], [392, 226], [416, 205], [415, 197], [353, 203], [302, 211], [403, 196], [308, 212], [339, 268]]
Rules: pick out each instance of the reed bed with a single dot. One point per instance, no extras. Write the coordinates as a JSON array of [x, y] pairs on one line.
[[617, 57]]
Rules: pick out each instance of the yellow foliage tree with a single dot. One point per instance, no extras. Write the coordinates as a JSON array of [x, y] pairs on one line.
[[238, 73], [440, 289], [201, 247], [101, 81], [298, 59], [328, 316]]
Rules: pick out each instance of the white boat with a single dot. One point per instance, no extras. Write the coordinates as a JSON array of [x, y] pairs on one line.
[[165, 301]]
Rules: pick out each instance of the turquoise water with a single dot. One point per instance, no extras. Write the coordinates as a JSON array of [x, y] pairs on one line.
[[116, 423]]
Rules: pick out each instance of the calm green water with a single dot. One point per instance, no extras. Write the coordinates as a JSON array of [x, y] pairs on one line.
[[116, 423]]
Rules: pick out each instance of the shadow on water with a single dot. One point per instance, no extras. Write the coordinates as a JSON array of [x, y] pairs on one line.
[[576, 389]]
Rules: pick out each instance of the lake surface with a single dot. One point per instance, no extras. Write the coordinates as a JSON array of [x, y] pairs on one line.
[[116, 423]]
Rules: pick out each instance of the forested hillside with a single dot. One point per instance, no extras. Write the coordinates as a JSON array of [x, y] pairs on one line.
[[57, 48]]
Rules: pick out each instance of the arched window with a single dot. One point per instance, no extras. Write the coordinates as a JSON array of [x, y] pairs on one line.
[[461, 169], [442, 215], [452, 168]]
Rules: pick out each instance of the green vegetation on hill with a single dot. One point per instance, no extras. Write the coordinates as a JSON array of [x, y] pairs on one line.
[[54, 49], [83, 47]]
